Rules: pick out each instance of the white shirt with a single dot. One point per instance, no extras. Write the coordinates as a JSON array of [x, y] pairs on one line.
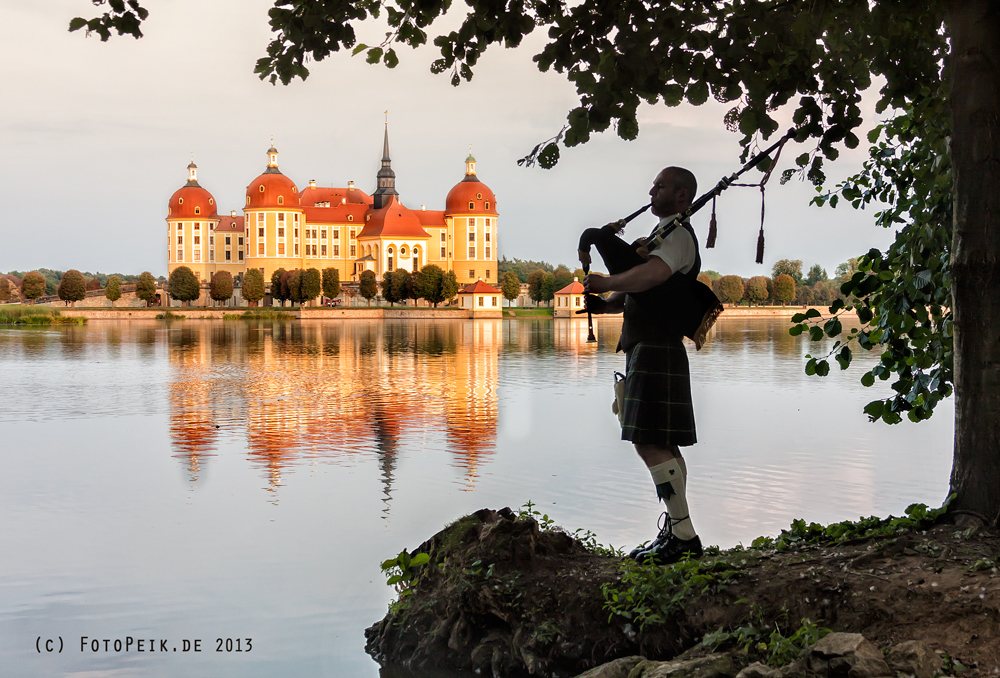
[[677, 250]]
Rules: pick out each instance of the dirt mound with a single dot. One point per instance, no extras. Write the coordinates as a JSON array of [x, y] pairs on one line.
[[499, 596]]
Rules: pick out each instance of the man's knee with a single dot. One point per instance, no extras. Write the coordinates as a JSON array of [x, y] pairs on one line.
[[657, 454]]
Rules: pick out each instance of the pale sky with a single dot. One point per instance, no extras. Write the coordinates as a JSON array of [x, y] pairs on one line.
[[97, 136]]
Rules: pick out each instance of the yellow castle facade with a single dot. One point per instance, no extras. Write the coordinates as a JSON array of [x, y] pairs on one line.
[[327, 227]]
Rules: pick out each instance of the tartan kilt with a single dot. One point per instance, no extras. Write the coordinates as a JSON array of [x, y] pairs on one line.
[[657, 408]]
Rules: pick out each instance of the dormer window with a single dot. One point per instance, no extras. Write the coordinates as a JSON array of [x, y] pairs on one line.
[[261, 188], [487, 204], [350, 217], [197, 210], [472, 205], [211, 201], [281, 200], [479, 196], [180, 201], [248, 200]]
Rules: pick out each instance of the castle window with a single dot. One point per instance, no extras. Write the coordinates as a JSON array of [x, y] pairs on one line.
[[389, 266], [180, 255], [281, 216], [281, 232], [472, 236], [260, 249], [350, 217], [260, 232], [479, 196], [180, 226], [354, 251], [487, 206], [402, 251], [229, 241], [229, 255], [487, 236], [442, 236], [480, 300], [197, 210], [493, 298], [197, 240], [443, 252], [488, 274], [197, 225], [296, 217], [211, 255], [197, 255], [472, 252], [281, 248], [322, 234], [487, 252], [281, 200], [239, 241], [353, 234], [336, 251], [241, 255], [472, 205], [211, 201], [248, 200], [336, 234], [180, 201], [472, 274], [322, 251], [180, 240], [296, 249], [262, 188]]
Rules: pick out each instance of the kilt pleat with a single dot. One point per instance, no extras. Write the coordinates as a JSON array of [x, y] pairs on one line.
[[657, 408]]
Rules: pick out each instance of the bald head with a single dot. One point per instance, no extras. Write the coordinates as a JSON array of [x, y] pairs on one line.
[[673, 191]]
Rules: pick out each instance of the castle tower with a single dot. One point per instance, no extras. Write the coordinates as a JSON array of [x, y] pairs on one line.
[[274, 221], [192, 217], [471, 213], [386, 178]]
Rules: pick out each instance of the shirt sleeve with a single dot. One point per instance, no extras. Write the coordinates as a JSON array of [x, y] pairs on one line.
[[677, 251]]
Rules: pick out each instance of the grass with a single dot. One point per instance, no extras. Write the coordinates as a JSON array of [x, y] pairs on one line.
[[167, 315], [528, 312], [260, 314], [35, 315]]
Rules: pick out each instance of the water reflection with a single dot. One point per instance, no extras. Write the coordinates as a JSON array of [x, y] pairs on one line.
[[300, 392]]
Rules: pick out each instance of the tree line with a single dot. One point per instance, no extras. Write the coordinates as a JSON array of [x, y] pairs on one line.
[[72, 286], [786, 285]]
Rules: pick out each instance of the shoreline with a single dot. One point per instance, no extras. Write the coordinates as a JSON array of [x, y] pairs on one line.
[[385, 313]]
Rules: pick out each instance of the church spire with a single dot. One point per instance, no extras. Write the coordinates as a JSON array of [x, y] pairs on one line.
[[386, 178]]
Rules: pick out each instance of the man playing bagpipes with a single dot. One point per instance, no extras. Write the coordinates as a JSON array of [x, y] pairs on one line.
[[656, 412]]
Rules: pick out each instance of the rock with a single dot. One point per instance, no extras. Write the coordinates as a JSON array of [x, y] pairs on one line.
[[712, 666], [619, 668], [914, 658], [758, 670], [846, 655]]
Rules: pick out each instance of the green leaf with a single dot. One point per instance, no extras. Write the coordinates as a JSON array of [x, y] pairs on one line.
[[796, 330], [822, 368], [815, 333], [832, 327], [359, 49], [867, 379], [812, 313], [374, 55], [77, 23], [419, 559]]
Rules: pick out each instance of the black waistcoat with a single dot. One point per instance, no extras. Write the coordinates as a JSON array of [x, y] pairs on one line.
[[655, 315]]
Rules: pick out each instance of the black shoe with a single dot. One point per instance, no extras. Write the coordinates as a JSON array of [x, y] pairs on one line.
[[665, 525], [672, 550]]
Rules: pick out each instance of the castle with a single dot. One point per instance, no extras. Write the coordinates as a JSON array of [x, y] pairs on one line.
[[342, 228]]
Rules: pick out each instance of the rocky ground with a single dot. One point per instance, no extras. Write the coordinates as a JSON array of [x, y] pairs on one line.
[[500, 596]]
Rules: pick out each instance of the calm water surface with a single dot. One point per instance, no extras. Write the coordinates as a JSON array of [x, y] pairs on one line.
[[208, 479]]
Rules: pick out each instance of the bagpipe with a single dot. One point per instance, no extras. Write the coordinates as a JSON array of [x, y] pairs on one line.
[[692, 305]]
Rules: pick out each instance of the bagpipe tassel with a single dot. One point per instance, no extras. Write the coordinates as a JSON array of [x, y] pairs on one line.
[[760, 236], [713, 228]]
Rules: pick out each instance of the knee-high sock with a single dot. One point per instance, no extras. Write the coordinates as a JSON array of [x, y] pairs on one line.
[[670, 481]]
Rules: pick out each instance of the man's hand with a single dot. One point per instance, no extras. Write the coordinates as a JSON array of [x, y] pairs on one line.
[[595, 284], [584, 258]]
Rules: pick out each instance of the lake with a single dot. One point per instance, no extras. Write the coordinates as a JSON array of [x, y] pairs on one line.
[[223, 481]]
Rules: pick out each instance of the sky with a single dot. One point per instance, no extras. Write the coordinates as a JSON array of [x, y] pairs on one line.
[[97, 136]]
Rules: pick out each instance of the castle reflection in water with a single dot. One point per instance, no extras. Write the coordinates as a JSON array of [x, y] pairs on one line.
[[296, 393]]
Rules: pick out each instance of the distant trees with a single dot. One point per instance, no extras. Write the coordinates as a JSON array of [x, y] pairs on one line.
[[789, 267], [368, 285], [32, 286], [402, 285], [429, 284], [221, 287], [279, 286], [184, 285], [535, 280], [331, 283], [386, 287], [253, 286], [548, 287], [510, 287], [729, 288], [4, 289], [312, 284], [756, 291], [73, 287], [816, 274], [93, 284], [145, 287], [113, 291], [784, 288], [705, 279], [561, 278], [449, 285]]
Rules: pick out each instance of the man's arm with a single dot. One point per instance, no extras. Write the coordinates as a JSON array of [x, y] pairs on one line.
[[637, 279]]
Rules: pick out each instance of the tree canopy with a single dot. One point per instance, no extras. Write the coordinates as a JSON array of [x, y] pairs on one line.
[[72, 286], [331, 283], [32, 285], [183, 284], [368, 285], [252, 289], [511, 286], [145, 287], [221, 287], [113, 292]]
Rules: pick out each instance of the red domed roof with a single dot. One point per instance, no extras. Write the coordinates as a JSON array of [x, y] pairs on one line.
[[264, 191], [393, 220], [470, 190], [191, 201]]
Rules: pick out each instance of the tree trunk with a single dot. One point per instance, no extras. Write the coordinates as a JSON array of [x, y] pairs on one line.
[[975, 155]]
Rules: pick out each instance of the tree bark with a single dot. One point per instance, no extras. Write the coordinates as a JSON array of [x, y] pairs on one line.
[[975, 156]]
